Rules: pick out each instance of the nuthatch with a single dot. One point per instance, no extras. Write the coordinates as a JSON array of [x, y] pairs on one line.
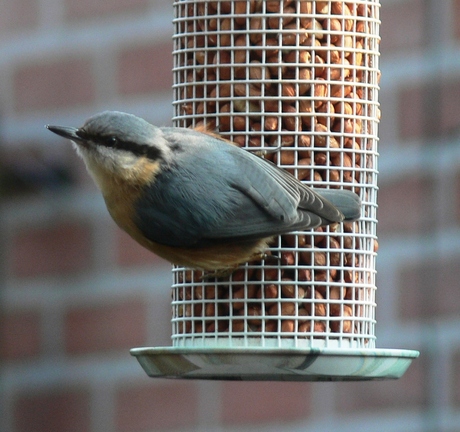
[[193, 198]]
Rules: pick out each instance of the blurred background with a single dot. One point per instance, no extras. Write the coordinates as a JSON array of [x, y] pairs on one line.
[[77, 294]]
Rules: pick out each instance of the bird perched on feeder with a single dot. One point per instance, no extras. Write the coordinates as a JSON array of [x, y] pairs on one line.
[[193, 198]]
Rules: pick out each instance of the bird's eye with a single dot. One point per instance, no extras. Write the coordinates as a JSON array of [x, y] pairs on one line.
[[112, 141], [81, 133]]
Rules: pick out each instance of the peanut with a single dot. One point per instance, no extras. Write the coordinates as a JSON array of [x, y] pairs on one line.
[[317, 327], [289, 290], [344, 326], [282, 308], [271, 291]]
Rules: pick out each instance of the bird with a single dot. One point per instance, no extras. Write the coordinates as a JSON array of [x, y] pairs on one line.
[[194, 198]]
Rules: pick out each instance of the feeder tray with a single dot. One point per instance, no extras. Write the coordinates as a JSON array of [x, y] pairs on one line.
[[262, 364], [297, 81]]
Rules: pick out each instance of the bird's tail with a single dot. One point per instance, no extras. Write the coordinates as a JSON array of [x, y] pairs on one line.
[[346, 201]]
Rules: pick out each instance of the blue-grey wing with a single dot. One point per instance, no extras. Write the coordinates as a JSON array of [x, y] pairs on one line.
[[187, 216], [215, 191]]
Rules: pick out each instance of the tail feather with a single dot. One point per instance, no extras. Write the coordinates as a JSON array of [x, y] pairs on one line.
[[346, 201]]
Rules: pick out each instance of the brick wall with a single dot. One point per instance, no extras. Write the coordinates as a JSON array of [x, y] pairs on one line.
[[77, 293]]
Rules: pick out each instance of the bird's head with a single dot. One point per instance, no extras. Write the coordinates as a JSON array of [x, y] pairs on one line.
[[116, 142]]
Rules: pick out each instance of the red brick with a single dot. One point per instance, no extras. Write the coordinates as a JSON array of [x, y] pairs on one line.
[[430, 289], [428, 108], [19, 335], [146, 68], [130, 253], [448, 118], [65, 409], [156, 407], [98, 8], [18, 15], [403, 26], [455, 386], [402, 205], [59, 249], [456, 17], [411, 101], [114, 326], [263, 402], [407, 392], [55, 83], [457, 198]]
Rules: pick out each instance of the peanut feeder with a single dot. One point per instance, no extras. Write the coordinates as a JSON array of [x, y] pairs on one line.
[[297, 81]]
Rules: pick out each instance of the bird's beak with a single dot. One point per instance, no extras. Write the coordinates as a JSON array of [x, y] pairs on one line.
[[66, 132]]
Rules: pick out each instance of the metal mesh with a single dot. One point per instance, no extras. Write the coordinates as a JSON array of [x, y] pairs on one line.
[[299, 80]]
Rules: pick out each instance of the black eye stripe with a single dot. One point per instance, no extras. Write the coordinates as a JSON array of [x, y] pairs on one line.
[[113, 142], [106, 141]]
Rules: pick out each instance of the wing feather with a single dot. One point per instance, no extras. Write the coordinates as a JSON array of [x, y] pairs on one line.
[[219, 192]]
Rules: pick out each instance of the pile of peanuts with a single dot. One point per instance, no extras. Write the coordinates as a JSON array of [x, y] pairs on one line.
[[282, 305], [292, 77]]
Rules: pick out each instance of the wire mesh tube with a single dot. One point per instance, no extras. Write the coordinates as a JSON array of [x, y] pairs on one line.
[[301, 76]]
